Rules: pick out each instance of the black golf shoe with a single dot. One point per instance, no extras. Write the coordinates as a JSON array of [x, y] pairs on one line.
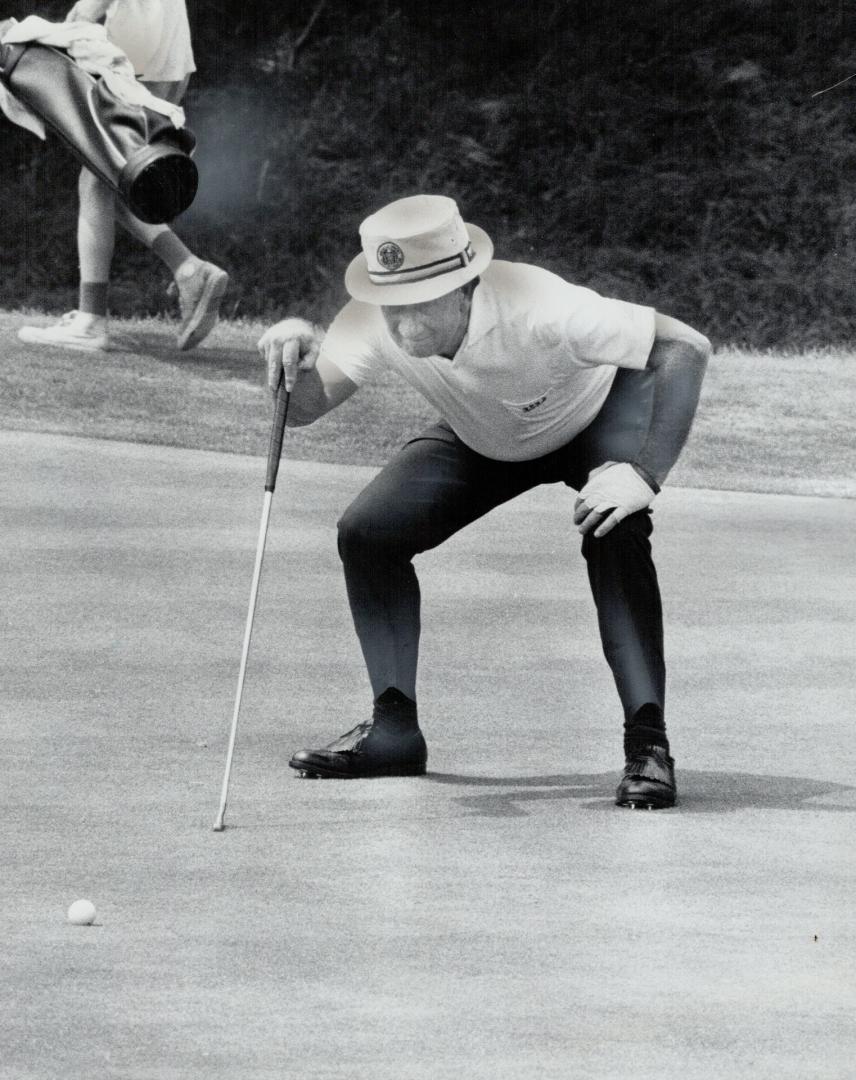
[[390, 744], [648, 782]]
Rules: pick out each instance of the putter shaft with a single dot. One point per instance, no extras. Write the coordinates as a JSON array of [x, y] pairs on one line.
[[248, 634], [274, 451]]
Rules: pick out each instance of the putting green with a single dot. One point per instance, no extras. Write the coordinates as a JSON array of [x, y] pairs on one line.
[[499, 918]]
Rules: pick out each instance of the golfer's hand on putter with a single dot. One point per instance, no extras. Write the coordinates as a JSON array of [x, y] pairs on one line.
[[613, 492], [290, 346]]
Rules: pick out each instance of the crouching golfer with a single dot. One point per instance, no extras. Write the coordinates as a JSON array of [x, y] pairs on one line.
[[537, 381]]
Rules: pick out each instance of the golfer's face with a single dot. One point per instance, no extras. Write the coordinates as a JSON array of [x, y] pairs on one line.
[[435, 328]]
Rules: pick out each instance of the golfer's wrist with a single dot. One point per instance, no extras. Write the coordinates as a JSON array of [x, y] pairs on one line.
[[646, 474]]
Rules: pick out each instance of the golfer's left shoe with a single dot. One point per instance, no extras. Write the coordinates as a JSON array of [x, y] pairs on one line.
[[648, 782]]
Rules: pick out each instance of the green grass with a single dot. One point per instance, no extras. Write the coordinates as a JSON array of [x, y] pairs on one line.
[[767, 422], [475, 923]]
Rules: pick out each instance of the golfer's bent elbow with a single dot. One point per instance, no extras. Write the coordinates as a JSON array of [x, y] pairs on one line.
[[692, 346], [698, 352]]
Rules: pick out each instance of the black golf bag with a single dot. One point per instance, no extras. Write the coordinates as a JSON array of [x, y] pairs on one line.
[[138, 152]]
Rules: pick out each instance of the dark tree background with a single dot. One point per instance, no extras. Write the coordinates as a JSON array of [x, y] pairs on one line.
[[663, 152]]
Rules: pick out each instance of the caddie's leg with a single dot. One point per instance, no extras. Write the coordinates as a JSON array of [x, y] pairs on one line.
[[200, 285], [96, 239], [85, 329]]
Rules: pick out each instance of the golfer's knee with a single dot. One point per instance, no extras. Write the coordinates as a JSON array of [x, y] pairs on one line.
[[627, 534], [361, 536]]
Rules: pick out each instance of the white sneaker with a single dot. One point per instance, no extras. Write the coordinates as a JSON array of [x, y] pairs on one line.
[[75, 330]]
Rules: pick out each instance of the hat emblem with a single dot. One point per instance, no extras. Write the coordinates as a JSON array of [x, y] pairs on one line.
[[390, 256]]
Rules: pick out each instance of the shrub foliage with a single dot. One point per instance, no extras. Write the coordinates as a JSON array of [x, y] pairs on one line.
[[663, 152]]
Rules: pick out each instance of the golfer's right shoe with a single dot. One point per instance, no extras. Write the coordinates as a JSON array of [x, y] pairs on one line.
[[649, 780], [75, 330], [386, 745], [199, 297]]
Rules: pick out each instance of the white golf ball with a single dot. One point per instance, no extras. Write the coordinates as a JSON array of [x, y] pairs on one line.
[[82, 913]]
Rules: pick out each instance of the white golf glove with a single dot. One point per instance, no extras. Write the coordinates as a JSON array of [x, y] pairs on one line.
[[616, 487], [291, 345]]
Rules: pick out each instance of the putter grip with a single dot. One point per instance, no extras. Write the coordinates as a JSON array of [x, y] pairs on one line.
[[277, 431]]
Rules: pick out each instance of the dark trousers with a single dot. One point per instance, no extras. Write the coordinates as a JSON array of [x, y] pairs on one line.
[[436, 485]]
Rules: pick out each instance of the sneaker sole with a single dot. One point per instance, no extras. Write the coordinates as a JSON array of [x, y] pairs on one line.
[[103, 345], [314, 772], [207, 312]]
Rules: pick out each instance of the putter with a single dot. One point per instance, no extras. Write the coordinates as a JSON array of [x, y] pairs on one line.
[[274, 451]]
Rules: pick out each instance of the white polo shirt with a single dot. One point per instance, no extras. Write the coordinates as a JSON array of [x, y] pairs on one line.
[[533, 370]]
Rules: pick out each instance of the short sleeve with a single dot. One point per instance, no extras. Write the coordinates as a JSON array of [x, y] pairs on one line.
[[618, 333], [354, 341], [597, 329]]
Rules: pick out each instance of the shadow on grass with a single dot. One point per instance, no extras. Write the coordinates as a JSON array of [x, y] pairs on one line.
[[208, 362], [698, 792]]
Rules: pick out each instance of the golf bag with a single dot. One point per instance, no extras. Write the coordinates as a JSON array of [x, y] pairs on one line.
[[139, 153]]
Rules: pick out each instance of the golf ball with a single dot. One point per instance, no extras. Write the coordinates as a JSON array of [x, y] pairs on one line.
[[82, 913]]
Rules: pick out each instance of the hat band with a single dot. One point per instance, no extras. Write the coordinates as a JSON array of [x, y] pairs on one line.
[[425, 271]]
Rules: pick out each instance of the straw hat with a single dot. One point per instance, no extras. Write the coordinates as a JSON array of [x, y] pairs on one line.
[[414, 250]]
